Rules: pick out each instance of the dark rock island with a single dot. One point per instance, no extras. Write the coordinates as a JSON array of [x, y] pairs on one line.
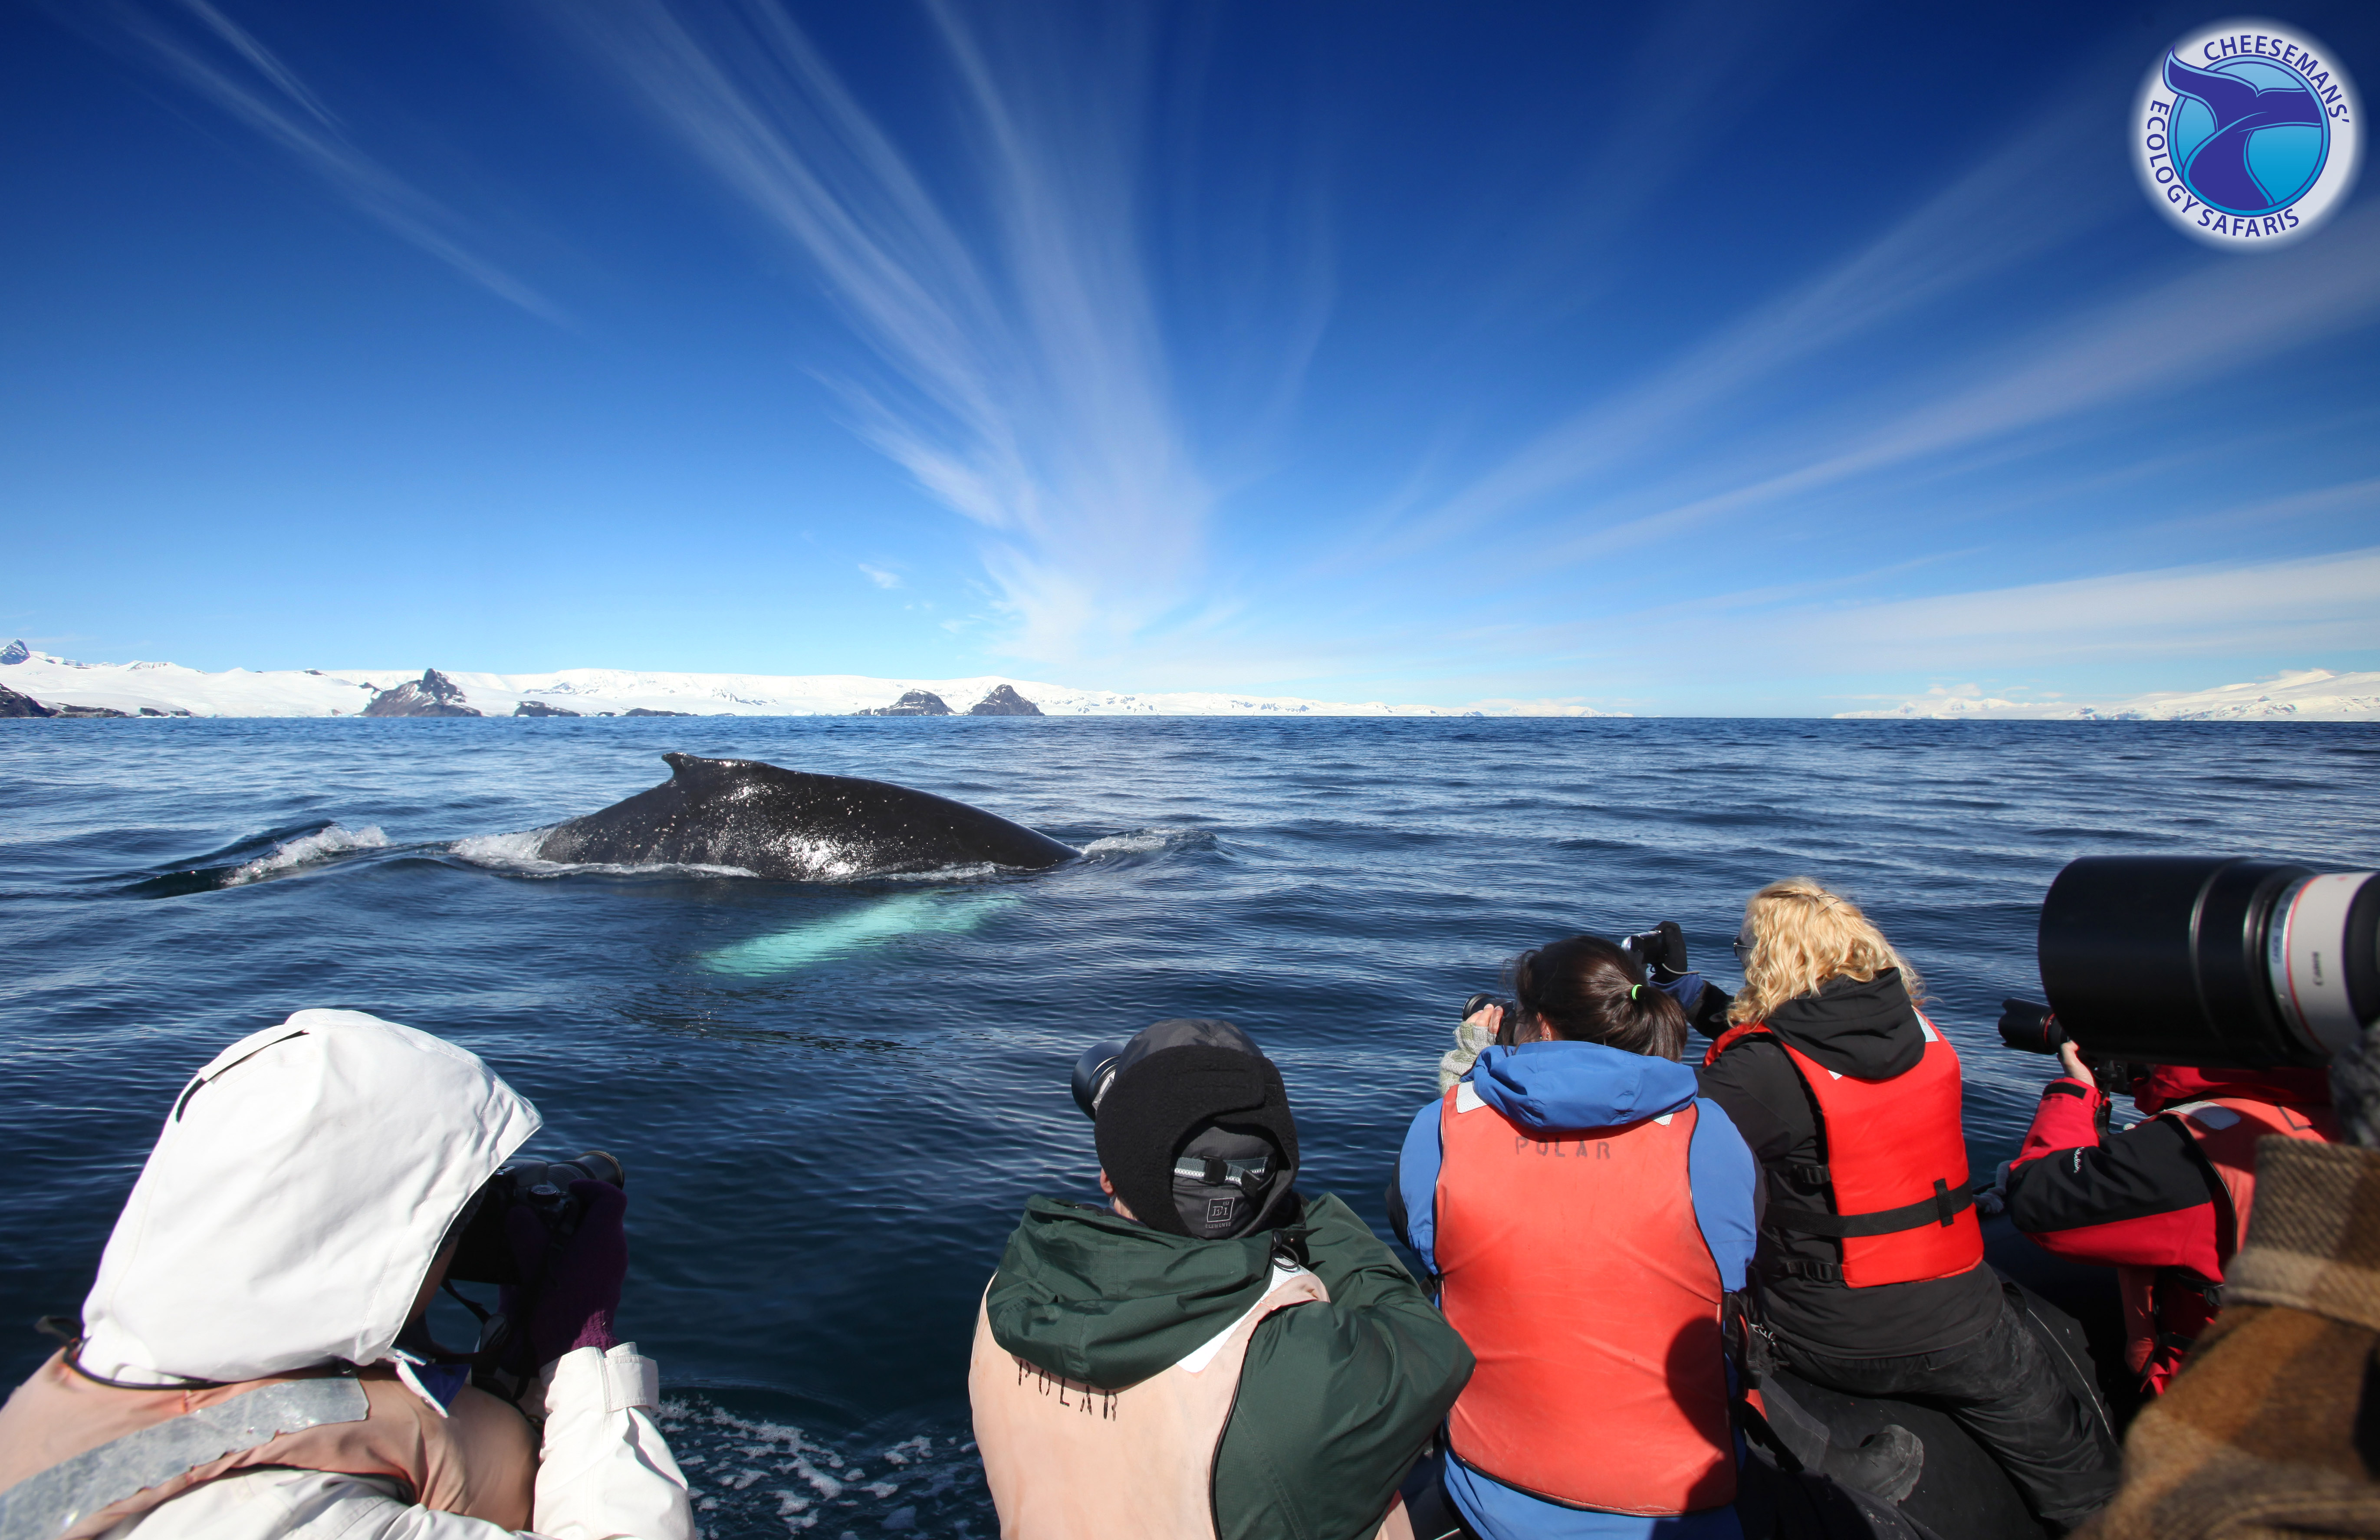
[[916, 703], [433, 694], [1001, 701], [1004, 701]]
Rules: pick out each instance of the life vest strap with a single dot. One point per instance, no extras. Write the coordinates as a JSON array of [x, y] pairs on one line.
[[1942, 1208], [49, 1502], [1794, 1266]]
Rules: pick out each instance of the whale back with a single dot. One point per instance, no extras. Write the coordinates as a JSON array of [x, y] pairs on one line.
[[780, 823]]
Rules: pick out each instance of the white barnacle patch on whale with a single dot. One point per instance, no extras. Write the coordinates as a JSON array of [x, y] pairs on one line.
[[516, 854]]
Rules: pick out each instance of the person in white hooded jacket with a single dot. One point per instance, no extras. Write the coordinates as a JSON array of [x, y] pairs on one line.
[[238, 1375]]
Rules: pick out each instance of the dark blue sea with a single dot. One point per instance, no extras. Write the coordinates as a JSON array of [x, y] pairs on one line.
[[832, 1100]]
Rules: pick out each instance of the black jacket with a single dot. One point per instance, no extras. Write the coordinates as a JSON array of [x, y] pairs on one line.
[[1870, 1031]]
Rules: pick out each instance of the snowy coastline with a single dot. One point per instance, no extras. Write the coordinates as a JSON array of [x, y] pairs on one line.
[[2299, 694], [170, 689]]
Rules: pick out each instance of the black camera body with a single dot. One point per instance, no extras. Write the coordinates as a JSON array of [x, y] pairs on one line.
[[2212, 961], [1505, 1029], [542, 1187]]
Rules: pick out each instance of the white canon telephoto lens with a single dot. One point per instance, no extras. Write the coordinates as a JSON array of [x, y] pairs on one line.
[[2307, 950], [2209, 959]]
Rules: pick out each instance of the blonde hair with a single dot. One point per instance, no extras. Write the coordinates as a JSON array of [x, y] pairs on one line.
[[1801, 936]]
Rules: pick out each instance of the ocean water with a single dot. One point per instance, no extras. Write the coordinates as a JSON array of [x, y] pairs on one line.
[[832, 1100]]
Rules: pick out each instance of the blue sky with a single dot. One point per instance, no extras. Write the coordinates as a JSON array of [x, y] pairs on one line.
[[1699, 357]]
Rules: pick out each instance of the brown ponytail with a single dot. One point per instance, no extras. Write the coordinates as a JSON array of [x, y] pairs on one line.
[[1584, 989]]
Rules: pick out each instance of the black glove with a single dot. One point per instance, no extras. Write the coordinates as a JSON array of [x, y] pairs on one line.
[[1662, 949]]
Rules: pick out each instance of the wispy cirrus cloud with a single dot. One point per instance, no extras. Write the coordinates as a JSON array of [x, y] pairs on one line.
[[2220, 319], [2311, 605], [1953, 241], [196, 45], [1002, 284]]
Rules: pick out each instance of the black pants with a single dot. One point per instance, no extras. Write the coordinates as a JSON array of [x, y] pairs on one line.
[[2002, 1387]]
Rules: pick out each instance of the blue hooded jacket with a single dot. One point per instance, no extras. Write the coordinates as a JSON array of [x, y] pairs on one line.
[[1562, 1087]]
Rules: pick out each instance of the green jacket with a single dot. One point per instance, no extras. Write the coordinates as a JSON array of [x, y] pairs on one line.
[[1335, 1400]]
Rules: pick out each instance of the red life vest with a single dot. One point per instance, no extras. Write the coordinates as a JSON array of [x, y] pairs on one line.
[[1574, 1268], [1895, 1169], [2166, 1309]]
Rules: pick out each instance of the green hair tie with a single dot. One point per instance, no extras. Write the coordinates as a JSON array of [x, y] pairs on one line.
[[1635, 989]]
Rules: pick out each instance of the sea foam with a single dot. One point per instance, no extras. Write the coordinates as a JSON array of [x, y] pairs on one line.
[[306, 850]]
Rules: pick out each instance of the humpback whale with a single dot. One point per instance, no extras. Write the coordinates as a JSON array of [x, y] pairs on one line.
[[782, 823]]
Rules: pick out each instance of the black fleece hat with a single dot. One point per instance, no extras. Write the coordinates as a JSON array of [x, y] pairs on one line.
[[1180, 1082]]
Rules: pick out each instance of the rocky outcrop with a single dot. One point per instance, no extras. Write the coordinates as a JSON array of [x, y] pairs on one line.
[[433, 694], [1004, 701], [646, 711], [15, 652], [152, 711], [540, 709], [916, 703], [14, 705]]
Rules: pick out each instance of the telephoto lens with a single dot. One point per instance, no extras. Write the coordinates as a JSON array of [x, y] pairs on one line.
[[1093, 1070], [2209, 961], [2030, 1028]]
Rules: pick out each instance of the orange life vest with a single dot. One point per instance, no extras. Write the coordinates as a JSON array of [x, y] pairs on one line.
[[2166, 1309], [479, 1461], [1894, 1156], [1575, 1270], [1067, 1460]]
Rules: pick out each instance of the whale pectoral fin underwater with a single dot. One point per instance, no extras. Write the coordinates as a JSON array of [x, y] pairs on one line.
[[794, 825], [820, 941]]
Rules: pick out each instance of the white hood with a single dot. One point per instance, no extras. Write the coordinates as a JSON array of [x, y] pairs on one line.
[[296, 1200]]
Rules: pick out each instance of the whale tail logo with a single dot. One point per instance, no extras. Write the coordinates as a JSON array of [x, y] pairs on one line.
[[2234, 165]]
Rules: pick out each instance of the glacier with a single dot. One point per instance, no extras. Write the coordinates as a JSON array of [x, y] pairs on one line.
[[170, 689]]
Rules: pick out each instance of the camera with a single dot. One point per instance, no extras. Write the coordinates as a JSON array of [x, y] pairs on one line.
[[2030, 1028], [485, 1255], [1661, 950], [1093, 1071], [2220, 963], [1511, 1018]]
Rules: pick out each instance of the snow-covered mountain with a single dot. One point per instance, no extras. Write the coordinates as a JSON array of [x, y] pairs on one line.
[[2302, 694], [169, 689]]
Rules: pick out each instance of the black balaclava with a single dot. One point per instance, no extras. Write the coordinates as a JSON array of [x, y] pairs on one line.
[[1195, 1133]]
